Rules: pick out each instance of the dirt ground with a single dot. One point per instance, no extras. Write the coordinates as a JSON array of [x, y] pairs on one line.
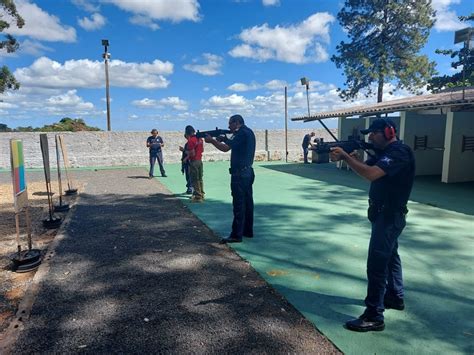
[[13, 285]]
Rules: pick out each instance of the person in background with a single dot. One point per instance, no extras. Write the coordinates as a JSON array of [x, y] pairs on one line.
[[391, 173], [307, 143], [155, 144], [242, 176], [194, 153], [185, 167]]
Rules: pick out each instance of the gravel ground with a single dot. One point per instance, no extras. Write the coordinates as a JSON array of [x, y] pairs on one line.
[[134, 271]]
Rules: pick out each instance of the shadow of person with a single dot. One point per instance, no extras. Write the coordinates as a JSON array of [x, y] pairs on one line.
[[138, 177]]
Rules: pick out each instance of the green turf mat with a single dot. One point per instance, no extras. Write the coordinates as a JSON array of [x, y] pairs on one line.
[[311, 240]]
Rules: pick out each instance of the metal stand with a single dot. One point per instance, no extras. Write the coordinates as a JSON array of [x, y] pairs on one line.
[[52, 221], [26, 260], [61, 207]]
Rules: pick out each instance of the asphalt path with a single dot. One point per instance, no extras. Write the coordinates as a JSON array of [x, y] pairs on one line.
[[134, 271]]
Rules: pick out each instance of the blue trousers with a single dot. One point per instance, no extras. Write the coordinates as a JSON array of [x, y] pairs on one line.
[[154, 156], [384, 267], [242, 203], [305, 154]]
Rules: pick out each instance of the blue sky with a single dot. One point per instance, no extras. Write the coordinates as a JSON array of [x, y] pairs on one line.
[[179, 62]]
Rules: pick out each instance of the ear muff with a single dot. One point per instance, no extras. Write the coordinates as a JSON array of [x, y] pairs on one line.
[[389, 131]]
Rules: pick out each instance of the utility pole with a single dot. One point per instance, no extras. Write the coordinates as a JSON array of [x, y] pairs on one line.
[[106, 56]]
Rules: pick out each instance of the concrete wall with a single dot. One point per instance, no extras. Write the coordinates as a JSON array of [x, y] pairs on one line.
[[458, 166], [429, 161], [347, 127], [89, 149]]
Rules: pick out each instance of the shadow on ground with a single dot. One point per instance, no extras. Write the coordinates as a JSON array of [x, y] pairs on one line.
[[428, 190]]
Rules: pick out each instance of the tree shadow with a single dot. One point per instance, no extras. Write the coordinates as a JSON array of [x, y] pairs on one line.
[[428, 190]]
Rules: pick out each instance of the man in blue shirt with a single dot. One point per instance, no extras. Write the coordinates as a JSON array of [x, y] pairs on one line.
[[155, 143], [242, 176], [391, 172]]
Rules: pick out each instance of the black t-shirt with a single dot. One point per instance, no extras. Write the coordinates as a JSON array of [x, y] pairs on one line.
[[242, 144], [306, 140], [155, 143], [394, 188]]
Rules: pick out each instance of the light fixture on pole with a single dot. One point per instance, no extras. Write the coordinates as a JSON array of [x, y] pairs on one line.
[[305, 81], [465, 35], [106, 56]]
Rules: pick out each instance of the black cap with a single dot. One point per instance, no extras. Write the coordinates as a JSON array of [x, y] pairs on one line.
[[379, 124]]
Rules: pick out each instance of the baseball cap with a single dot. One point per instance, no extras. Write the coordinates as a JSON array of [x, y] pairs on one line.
[[378, 125]]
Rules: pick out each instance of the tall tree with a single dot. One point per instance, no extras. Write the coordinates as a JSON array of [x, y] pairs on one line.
[[464, 58], [8, 11], [385, 38]]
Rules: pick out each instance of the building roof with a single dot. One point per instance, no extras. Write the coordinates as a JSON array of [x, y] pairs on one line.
[[414, 103]]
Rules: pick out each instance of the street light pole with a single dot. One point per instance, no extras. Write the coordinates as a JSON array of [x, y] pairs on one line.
[[106, 56], [305, 81]]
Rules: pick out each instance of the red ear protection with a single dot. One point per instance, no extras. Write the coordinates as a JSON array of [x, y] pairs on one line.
[[389, 131]]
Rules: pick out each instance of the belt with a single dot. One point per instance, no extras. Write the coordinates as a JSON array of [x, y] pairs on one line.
[[380, 207]]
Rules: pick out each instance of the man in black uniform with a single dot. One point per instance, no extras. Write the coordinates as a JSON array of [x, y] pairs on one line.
[[306, 143], [391, 173], [242, 176]]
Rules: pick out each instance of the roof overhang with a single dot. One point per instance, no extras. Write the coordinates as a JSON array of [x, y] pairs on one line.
[[456, 100]]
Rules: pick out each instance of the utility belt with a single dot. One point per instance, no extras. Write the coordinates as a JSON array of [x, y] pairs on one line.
[[239, 171], [377, 208]]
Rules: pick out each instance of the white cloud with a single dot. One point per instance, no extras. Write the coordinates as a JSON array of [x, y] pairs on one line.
[[271, 2], [241, 87], [34, 48], [172, 101], [294, 44], [271, 85], [212, 67], [84, 73], [145, 103], [69, 99], [175, 11], [66, 103], [41, 25], [95, 22], [86, 5], [144, 21], [446, 19]]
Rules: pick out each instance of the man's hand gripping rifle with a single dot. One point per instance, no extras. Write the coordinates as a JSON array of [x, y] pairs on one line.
[[219, 134]]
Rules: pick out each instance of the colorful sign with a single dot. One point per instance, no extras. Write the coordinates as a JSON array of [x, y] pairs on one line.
[[18, 166]]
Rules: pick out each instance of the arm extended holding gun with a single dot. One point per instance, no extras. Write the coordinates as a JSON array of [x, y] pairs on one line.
[[348, 146], [219, 134]]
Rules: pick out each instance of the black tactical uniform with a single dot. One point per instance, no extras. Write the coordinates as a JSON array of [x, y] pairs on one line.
[[242, 145], [388, 198]]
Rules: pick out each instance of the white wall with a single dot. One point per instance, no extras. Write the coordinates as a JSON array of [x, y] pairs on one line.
[[89, 149], [429, 161], [458, 166]]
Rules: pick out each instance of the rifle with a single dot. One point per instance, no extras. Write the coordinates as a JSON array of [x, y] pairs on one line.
[[348, 146], [213, 133]]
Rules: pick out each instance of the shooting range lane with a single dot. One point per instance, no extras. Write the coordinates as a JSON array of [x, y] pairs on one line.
[[311, 241], [136, 272]]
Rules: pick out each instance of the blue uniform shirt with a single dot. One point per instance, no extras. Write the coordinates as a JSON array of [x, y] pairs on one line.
[[393, 189], [242, 144], [155, 143]]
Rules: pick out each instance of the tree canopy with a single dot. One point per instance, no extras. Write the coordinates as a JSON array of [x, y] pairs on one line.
[[463, 57], [64, 125], [385, 38], [8, 10]]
